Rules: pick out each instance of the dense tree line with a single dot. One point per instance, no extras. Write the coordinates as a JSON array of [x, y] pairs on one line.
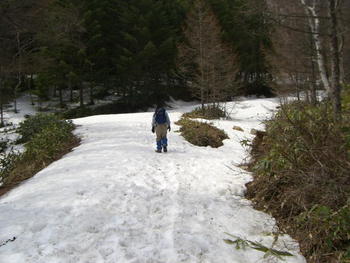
[[88, 49], [128, 48]]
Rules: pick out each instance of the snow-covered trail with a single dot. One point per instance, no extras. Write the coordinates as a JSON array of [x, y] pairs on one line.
[[113, 199]]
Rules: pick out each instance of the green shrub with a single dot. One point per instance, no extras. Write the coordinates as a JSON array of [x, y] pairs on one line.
[[209, 112], [120, 106], [333, 225], [50, 141], [302, 172], [3, 145], [7, 164], [35, 124], [77, 113], [201, 134], [47, 139]]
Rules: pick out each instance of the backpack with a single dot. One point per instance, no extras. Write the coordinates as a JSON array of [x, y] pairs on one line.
[[160, 116]]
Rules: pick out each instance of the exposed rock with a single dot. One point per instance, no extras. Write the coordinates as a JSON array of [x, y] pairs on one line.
[[237, 128], [257, 132]]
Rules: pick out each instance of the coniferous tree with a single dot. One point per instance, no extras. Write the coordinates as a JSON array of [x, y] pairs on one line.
[[114, 45], [206, 60], [102, 23], [64, 53], [247, 28], [148, 46], [20, 22]]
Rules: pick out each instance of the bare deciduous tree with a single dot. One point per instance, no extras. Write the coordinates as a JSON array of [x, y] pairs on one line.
[[320, 22], [314, 25], [20, 20], [204, 58]]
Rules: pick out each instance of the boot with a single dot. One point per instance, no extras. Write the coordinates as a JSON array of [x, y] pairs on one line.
[[158, 150], [165, 149]]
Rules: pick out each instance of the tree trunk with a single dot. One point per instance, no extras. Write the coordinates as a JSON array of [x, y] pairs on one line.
[[15, 94], [91, 94], [201, 55], [60, 96], [342, 28], [314, 24], [30, 87], [313, 84], [54, 93], [336, 87], [70, 86], [341, 59], [297, 86], [81, 95], [19, 68], [2, 124]]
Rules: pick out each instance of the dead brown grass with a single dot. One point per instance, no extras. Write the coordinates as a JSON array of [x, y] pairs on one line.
[[209, 112], [201, 134]]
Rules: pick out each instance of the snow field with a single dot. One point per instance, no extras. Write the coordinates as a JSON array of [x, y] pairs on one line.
[[8, 133], [113, 199], [24, 107]]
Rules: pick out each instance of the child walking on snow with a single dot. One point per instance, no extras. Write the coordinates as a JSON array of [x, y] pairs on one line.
[[160, 125]]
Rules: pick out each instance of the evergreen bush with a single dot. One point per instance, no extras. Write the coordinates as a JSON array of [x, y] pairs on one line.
[[50, 141], [47, 138], [33, 125], [7, 164], [120, 106], [3, 145], [77, 113]]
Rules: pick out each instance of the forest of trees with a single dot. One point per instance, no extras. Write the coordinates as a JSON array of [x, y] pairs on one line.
[[137, 49], [128, 48]]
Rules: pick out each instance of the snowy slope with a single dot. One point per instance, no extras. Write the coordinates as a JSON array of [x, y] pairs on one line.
[[24, 107], [113, 199]]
